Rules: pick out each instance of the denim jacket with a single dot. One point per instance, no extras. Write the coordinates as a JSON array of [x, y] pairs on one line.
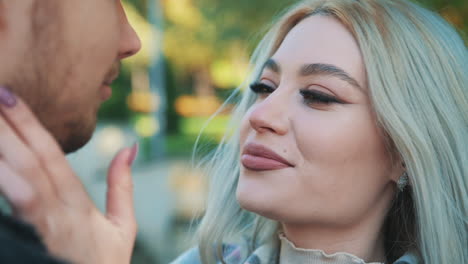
[[265, 254]]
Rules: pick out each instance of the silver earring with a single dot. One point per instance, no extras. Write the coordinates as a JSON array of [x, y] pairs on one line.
[[402, 181]]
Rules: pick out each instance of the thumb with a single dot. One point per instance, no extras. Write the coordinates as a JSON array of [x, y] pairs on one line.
[[120, 208]]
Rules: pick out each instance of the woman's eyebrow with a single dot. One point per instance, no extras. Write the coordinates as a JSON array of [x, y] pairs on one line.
[[271, 65], [328, 69], [316, 69]]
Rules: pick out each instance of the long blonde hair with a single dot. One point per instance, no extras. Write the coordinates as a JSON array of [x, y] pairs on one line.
[[417, 74]]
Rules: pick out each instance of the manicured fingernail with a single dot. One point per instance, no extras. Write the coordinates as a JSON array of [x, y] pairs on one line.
[[133, 154], [7, 98]]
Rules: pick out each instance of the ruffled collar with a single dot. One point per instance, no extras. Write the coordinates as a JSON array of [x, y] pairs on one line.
[[289, 253]]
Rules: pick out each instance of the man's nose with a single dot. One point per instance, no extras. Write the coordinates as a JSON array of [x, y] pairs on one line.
[[130, 43]]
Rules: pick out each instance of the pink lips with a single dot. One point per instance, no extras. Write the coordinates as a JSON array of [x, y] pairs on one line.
[[106, 90], [259, 158]]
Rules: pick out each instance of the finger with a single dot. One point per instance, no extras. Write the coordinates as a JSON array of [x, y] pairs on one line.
[[23, 163], [120, 207], [40, 142], [15, 189]]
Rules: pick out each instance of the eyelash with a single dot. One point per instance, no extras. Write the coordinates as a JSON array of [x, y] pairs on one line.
[[261, 88], [310, 96]]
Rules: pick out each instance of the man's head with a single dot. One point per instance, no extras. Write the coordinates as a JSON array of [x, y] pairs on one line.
[[60, 57]]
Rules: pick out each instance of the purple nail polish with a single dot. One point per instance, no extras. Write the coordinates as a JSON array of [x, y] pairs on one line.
[[7, 98]]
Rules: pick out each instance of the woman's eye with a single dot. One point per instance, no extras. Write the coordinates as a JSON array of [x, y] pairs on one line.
[[311, 97], [316, 97], [261, 88]]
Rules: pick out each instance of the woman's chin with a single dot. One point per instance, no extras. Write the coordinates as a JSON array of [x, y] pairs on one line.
[[255, 201]]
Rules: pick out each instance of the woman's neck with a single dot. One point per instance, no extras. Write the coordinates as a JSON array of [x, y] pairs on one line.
[[363, 237]]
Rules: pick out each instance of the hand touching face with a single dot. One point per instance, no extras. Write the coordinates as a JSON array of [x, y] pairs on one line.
[[44, 191]]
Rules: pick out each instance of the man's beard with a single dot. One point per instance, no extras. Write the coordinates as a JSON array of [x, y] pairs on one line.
[[57, 112], [41, 79]]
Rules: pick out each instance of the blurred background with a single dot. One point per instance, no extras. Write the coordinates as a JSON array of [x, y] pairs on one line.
[[195, 52]]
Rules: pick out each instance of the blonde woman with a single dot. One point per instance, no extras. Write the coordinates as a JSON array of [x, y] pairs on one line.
[[353, 138], [350, 144]]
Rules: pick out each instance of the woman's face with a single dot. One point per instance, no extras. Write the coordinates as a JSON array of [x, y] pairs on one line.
[[330, 164]]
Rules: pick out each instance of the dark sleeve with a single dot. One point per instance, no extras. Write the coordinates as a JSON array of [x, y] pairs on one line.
[[19, 244]]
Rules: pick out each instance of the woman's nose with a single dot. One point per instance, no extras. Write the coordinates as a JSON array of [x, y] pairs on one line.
[[270, 115]]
